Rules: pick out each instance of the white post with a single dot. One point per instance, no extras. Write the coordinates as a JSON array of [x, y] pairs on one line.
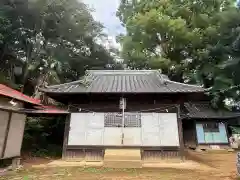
[[123, 118]]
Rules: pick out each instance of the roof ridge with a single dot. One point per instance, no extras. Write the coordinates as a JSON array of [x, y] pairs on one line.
[[125, 70], [119, 71]]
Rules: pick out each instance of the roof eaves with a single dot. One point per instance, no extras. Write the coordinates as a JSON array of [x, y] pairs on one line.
[[64, 84], [14, 94], [190, 85]]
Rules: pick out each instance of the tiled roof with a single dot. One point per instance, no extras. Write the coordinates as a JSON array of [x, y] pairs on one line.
[[123, 81], [205, 111], [9, 92]]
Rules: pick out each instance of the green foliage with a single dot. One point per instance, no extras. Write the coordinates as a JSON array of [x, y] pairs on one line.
[[191, 41], [52, 41], [48, 42], [44, 136]]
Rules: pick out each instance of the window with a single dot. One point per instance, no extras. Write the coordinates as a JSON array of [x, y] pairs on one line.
[[132, 120], [211, 127], [115, 120]]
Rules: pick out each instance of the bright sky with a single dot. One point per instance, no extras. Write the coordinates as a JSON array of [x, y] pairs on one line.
[[105, 12]]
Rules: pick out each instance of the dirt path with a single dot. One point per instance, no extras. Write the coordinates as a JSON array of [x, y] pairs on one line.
[[221, 167]]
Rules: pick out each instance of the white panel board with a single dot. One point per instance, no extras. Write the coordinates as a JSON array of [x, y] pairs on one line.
[[15, 135], [94, 137], [168, 129], [96, 120], [132, 136], [95, 128], [77, 130], [150, 129], [150, 122], [3, 127], [86, 129], [112, 136]]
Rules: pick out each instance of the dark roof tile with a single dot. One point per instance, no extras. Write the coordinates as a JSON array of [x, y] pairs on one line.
[[123, 81], [205, 111]]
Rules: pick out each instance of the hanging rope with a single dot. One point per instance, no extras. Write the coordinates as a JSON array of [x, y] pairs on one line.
[[166, 108]]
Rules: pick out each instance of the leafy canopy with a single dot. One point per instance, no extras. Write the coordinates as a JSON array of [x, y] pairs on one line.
[[191, 41]]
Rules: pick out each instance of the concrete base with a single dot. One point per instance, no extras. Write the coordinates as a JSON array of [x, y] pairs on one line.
[[122, 164], [122, 158]]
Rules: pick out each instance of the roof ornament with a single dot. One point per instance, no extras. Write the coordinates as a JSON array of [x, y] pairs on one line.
[[161, 77], [87, 79]]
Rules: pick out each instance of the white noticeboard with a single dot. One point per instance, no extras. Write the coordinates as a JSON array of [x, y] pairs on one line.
[[112, 136], [169, 129], [150, 129], [86, 129], [159, 129]]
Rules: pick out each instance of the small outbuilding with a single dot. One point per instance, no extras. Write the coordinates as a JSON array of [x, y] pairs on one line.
[[205, 127], [14, 107], [12, 121]]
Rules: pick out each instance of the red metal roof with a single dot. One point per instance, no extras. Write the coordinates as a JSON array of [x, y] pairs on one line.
[[9, 92], [40, 108]]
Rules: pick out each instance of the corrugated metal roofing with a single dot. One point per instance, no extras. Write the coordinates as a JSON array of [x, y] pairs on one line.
[[205, 111], [123, 81], [9, 92]]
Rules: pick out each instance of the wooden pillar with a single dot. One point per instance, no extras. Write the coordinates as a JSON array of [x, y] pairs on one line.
[[180, 133], [226, 124], [66, 133], [195, 133], [6, 134]]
